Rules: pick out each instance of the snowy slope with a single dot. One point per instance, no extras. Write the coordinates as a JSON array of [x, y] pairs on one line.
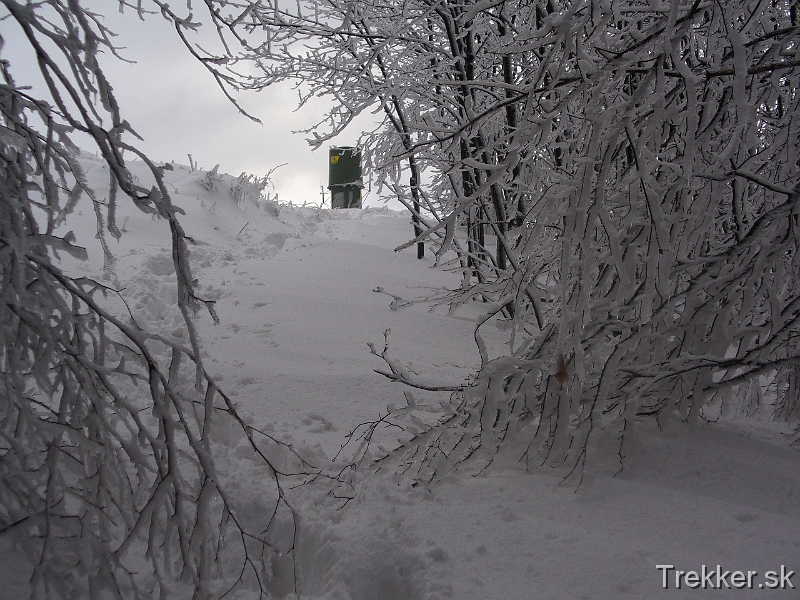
[[297, 303]]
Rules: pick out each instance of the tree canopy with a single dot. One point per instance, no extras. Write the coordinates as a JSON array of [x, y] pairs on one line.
[[634, 165], [108, 478]]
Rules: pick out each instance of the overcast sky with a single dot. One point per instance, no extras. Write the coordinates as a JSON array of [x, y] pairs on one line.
[[175, 105]]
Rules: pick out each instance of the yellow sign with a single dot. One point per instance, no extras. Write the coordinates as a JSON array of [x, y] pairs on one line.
[[334, 159]]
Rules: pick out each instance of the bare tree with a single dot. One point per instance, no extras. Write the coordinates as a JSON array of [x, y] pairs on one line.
[[108, 444], [636, 167]]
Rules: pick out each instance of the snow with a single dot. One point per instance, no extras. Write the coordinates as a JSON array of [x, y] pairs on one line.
[[296, 296]]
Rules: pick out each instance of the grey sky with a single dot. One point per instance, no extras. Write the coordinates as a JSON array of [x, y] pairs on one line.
[[175, 105]]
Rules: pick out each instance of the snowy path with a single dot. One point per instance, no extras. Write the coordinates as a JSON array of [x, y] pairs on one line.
[[292, 343], [294, 328]]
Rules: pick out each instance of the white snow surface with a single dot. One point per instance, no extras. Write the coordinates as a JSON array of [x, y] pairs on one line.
[[297, 303]]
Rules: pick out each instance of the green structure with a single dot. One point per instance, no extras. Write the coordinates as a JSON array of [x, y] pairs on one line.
[[344, 177]]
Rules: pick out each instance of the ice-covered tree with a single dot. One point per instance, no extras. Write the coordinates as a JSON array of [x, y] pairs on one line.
[[619, 178], [108, 477]]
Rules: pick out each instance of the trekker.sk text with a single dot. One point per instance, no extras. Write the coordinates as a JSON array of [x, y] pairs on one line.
[[716, 578]]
